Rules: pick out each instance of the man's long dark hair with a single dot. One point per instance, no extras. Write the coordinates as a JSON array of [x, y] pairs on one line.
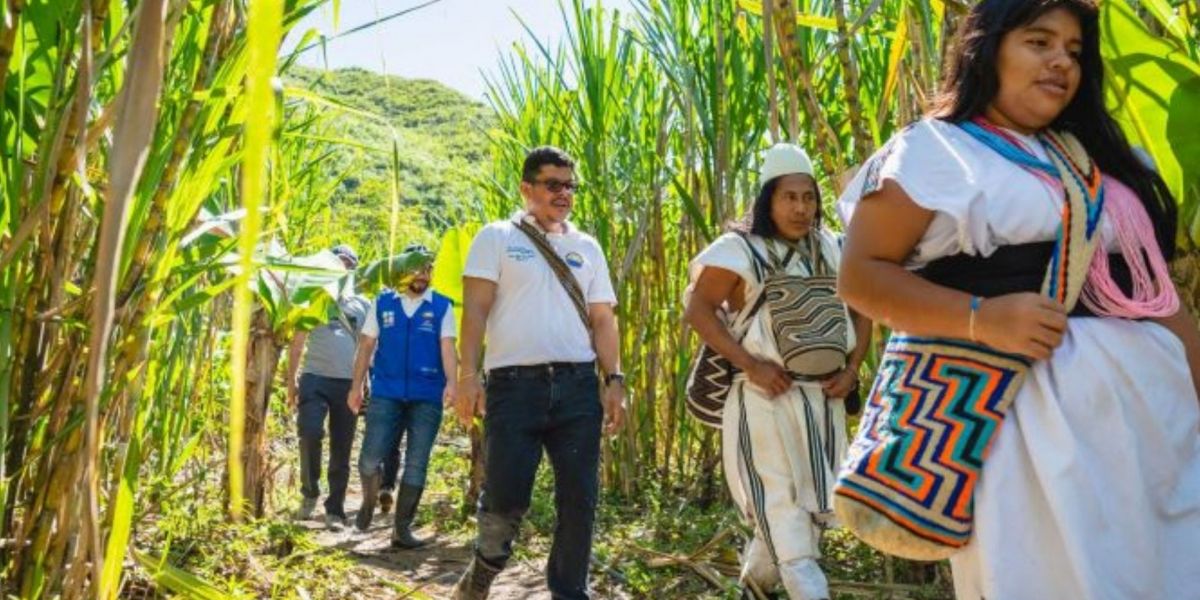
[[759, 221], [971, 83]]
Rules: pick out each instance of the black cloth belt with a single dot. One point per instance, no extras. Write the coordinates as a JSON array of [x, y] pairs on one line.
[[543, 370], [1011, 269]]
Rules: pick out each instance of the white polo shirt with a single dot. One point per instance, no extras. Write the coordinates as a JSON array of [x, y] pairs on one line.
[[532, 319]]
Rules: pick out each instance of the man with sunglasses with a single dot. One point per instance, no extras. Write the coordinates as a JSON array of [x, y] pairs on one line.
[[408, 343], [542, 290]]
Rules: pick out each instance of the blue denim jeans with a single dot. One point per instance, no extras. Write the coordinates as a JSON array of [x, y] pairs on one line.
[[389, 420], [531, 409], [391, 468], [321, 397]]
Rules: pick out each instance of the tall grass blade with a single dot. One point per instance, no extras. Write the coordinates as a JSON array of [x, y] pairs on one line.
[[132, 135], [177, 580], [264, 33]]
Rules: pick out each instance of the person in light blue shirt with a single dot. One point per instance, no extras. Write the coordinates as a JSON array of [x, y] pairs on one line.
[[320, 367]]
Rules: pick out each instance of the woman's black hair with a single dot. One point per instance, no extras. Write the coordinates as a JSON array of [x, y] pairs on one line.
[[971, 83], [759, 221]]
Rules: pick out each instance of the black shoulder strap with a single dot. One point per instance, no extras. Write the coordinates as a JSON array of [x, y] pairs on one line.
[[757, 262], [816, 254], [561, 270], [761, 268], [781, 264]]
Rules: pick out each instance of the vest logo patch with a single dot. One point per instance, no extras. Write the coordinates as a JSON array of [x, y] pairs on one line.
[[426, 321], [574, 259], [389, 318], [520, 253]]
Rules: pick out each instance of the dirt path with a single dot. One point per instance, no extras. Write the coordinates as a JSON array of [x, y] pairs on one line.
[[430, 571]]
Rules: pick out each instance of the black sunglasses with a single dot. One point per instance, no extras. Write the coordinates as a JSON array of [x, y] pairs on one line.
[[555, 186]]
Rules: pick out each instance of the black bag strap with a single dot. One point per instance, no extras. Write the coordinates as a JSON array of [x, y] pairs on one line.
[[761, 267], [760, 264], [780, 265], [561, 270], [817, 265]]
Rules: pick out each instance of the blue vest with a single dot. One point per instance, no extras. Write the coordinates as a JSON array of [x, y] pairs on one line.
[[408, 357]]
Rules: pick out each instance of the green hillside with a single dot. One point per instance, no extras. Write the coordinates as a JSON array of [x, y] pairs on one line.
[[442, 144]]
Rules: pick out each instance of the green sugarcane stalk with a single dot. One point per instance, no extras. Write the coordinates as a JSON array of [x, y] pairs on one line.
[[768, 33], [862, 138]]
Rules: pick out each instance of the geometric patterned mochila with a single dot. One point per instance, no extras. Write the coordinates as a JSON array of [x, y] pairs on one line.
[[809, 323], [920, 447], [708, 386], [711, 377]]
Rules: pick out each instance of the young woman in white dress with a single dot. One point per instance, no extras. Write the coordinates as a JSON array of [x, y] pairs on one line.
[[1092, 486], [783, 436]]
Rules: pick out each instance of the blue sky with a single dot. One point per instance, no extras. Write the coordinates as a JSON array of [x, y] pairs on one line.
[[451, 41]]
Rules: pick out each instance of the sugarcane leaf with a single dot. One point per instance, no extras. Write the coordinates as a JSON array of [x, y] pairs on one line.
[[755, 7], [392, 272], [1173, 23], [177, 580], [1155, 94], [122, 520]]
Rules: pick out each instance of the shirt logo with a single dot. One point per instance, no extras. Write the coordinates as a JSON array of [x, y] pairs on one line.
[[574, 259], [520, 253]]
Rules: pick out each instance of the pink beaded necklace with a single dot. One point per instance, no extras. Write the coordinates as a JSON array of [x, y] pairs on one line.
[[1154, 293]]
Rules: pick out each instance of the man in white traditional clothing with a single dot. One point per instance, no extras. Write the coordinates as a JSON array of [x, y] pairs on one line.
[[797, 350]]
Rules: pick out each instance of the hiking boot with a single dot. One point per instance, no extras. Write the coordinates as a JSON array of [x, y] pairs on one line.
[[307, 507], [476, 581], [406, 509], [385, 501], [335, 523], [370, 491]]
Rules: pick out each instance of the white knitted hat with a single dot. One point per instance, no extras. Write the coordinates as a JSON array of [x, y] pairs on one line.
[[784, 159]]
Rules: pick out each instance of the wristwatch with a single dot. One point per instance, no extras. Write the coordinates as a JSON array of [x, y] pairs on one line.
[[611, 377]]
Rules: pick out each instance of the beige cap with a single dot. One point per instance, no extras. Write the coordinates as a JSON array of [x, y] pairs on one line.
[[784, 159]]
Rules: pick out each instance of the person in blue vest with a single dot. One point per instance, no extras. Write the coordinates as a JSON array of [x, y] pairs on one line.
[[409, 337]]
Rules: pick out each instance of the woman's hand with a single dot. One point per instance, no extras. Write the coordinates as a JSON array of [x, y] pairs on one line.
[[769, 377], [841, 383], [1026, 323]]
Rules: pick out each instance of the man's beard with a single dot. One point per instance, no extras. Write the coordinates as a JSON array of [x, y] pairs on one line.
[[417, 286]]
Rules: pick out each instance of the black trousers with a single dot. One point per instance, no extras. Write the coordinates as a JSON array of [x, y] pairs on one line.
[[321, 397]]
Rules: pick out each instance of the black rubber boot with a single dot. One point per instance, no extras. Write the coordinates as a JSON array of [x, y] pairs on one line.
[[407, 500], [370, 492], [476, 582]]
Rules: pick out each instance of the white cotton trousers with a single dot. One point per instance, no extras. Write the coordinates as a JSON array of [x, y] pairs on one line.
[[781, 456]]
